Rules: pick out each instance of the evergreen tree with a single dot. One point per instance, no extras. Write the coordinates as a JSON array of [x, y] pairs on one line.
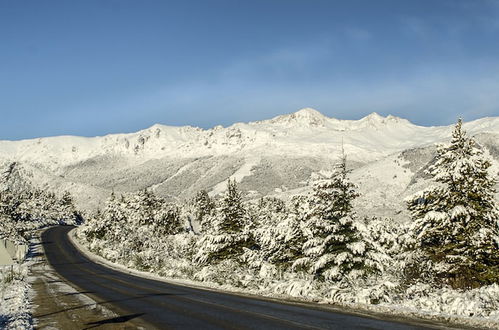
[[29, 208], [147, 209], [141, 207], [456, 221], [231, 210], [167, 220], [228, 239], [279, 233], [203, 208], [335, 247], [107, 224], [67, 210]]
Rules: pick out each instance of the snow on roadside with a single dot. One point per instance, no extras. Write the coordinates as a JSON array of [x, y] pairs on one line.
[[57, 288], [15, 311], [15, 296], [475, 308], [16, 290]]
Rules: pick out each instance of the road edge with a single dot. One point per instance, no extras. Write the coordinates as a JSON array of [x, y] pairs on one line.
[[435, 322], [116, 311]]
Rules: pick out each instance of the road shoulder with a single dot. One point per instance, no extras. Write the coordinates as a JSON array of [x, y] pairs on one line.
[[283, 300], [59, 305]]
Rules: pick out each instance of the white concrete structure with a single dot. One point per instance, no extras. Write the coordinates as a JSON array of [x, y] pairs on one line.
[[11, 252]]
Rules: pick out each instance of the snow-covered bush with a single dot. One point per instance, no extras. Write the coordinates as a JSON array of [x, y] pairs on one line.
[[24, 207], [140, 230]]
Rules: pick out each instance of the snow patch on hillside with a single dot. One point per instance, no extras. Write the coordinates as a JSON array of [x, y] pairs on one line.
[[239, 175]]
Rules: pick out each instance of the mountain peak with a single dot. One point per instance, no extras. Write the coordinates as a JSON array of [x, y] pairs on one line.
[[308, 112], [374, 116], [302, 117], [375, 119]]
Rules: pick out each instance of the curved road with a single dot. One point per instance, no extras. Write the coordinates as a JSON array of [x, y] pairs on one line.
[[154, 304]]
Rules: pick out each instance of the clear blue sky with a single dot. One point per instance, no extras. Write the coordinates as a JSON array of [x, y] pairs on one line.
[[92, 67]]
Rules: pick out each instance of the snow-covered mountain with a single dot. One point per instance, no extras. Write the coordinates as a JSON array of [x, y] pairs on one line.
[[275, 156]]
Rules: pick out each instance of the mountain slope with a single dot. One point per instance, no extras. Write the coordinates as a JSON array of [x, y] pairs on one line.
[[272, 156]]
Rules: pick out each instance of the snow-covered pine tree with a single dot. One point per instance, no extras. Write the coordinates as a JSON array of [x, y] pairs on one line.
[[167, 220], [334, 248], [227, 239], [456, 221], [142, 206], [278, 233], [147, 209], [107, 224], [203, 208], [231, 210], [67, 210]]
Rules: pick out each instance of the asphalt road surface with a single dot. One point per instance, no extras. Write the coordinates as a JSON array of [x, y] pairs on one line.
[[154, 304]]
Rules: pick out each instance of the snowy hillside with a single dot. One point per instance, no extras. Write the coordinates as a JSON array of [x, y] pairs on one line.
[[275, 156]]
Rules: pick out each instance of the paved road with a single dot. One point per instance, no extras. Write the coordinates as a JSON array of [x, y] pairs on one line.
[[155, 304]]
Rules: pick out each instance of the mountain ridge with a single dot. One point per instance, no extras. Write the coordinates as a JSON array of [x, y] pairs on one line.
[[306, 126], [274, 156]]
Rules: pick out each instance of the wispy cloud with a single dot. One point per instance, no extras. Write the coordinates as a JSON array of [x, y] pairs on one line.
[[283, 62], [426, 99]]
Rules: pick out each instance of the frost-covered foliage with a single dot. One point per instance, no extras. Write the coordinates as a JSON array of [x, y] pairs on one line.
[[14, 298], [204, 207], [312, 246], [456, 223], [139, 228], [24, 207], [388, 235], [335, 247], [278, 232], [227, 237]]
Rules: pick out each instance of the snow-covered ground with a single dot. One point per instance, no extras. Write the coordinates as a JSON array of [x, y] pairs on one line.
[[15, 309], [16, 296], [18, 293]]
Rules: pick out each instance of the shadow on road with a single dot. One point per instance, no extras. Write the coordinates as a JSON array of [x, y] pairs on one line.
[[69, 263], [75, 293], [138, 297], [119, 319]]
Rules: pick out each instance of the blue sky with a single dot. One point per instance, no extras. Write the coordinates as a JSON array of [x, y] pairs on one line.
[[93, 67]]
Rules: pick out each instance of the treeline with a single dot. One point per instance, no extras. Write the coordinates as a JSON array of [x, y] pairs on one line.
[[451, 240]]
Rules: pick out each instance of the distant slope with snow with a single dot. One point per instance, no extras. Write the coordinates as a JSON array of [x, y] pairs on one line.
[[275, 156]]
